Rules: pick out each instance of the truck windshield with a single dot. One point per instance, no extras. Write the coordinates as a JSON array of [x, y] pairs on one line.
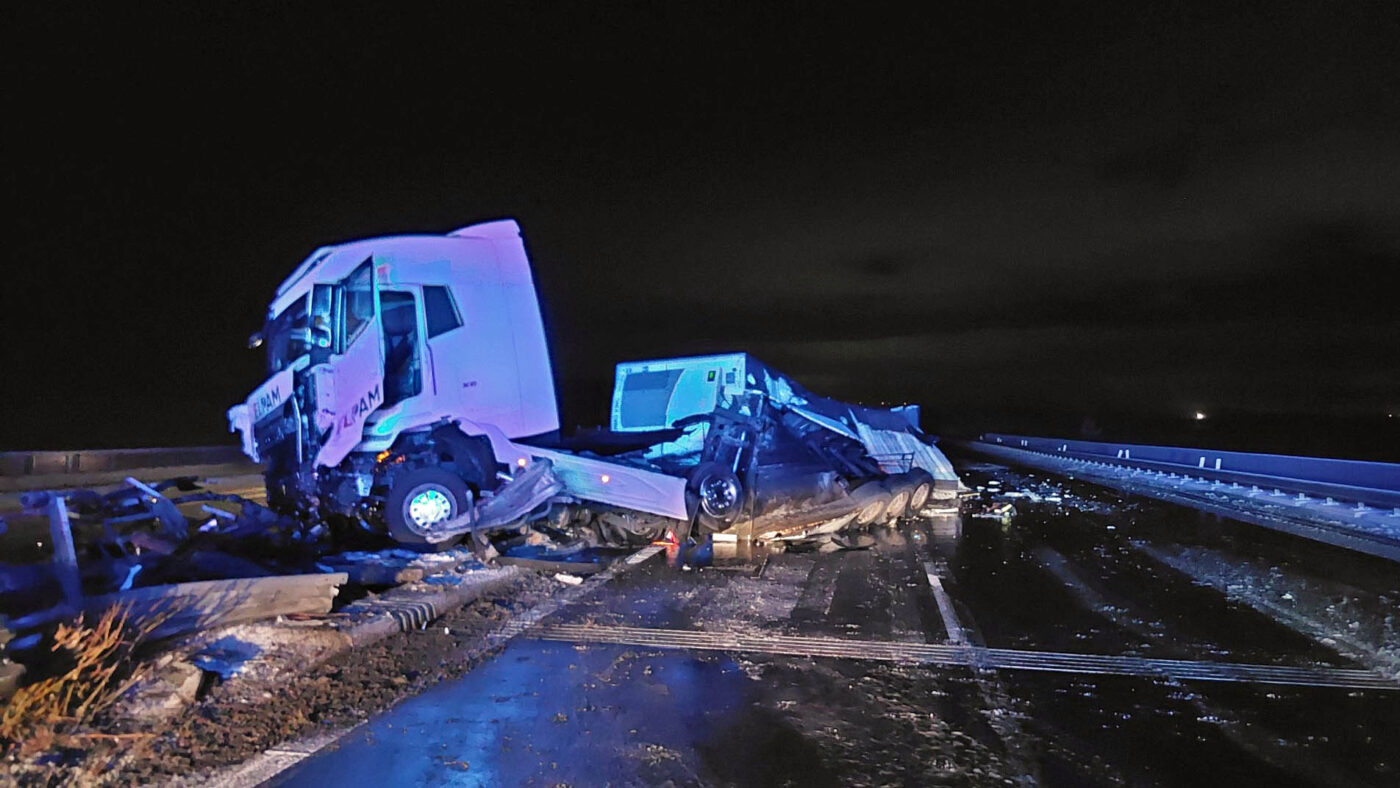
[[288, 336]]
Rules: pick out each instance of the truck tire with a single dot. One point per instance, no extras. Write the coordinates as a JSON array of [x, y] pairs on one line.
[[421, 497], [719, 494], [921, 486], [872, 500], [900, 491]]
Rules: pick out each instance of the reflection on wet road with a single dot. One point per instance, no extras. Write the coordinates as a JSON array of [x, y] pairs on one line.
[[1051, 578]]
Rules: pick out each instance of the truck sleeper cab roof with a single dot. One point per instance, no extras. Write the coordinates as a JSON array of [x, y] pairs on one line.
[[470, 255]]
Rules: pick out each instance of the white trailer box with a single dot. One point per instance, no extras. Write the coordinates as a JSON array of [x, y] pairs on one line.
[[653, 395]]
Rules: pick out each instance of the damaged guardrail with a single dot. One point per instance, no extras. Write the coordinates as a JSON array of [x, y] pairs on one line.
[[134, 546]]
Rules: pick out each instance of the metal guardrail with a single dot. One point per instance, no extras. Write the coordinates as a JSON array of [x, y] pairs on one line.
[[86, 461], [1329, 519], [1371, 483]]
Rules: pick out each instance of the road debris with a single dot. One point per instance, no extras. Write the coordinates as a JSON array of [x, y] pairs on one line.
[[995, 511]]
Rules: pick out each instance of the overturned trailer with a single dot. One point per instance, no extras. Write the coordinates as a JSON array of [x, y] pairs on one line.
[[411, 393], [773, 440]]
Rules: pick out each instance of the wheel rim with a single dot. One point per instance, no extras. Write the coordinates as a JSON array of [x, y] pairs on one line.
[[426, 506], [920, 496], [898, 504], [719, 495]]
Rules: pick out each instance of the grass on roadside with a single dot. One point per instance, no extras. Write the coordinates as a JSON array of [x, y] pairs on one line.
[[98, 664]]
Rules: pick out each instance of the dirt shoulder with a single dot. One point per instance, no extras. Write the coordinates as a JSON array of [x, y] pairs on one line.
[[243, 717]]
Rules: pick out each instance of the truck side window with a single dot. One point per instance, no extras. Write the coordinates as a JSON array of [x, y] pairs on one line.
[[439, 309], [321, 329], [286, 336], [359, 302], [403, 375]]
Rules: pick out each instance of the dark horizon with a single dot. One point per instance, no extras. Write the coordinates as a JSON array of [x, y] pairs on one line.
[[1101, 217]]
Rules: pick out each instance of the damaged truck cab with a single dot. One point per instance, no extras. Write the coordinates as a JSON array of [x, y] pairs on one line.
[[379, 351]]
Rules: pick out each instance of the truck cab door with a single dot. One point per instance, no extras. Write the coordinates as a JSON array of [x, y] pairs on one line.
[[350, 384]]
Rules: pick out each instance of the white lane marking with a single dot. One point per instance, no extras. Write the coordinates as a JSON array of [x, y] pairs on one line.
[[643, 554], [976, 657], [956, 636]]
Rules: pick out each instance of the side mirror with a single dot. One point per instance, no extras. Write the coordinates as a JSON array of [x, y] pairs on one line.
[[256, 340]]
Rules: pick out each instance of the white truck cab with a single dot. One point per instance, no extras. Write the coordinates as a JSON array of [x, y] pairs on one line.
[[406, 330], [403, 353]]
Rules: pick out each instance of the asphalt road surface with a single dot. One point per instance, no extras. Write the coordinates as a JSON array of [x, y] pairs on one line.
[[702, 687]]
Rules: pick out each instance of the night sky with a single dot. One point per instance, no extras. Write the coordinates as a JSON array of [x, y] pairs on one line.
[[1057, 219]]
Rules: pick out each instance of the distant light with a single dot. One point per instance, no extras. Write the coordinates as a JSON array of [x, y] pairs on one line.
[[606, 478], [520, 462], [1200, 416]]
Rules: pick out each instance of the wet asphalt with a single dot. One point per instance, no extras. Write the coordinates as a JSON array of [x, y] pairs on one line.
[[1053, 577]]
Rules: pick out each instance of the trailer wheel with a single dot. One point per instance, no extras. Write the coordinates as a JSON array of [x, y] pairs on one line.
[[719, 493], [422, 498], [922, 487], [873, 500], [900, 492]]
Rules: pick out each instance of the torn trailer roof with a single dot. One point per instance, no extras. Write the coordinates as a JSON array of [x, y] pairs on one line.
[[650, 396]]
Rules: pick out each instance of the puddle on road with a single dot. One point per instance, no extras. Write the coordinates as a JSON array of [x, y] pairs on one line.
[[549, 713]]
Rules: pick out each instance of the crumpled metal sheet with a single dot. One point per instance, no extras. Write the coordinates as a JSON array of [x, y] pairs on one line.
[[888, 448]]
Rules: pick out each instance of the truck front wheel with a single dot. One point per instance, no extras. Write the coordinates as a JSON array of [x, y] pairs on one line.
[[423, 498]]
